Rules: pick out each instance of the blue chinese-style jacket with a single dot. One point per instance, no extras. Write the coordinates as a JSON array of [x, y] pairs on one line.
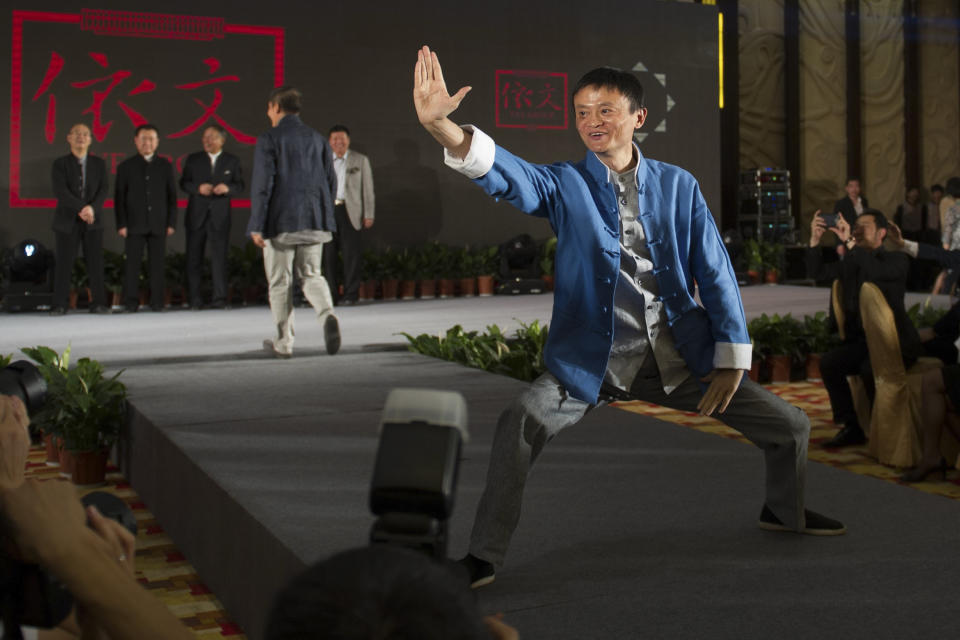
[[685, 248]]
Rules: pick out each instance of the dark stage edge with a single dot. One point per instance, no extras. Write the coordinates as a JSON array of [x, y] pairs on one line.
[[633, 527]]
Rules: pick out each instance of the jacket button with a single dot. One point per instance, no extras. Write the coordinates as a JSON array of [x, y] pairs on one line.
[[148, 177]]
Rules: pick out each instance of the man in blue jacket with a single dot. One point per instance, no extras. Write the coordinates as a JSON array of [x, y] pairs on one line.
[[634, 240], [291, 217]]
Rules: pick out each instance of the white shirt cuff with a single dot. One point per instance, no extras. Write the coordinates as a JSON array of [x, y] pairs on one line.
[[732, 355], [910, 247], [479, 160]]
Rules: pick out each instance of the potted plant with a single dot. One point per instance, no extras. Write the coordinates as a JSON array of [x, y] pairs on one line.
[[486, 266], [409, 270], [753, 258], [175, 276], [431, 256], [113, 276], [446, 270], [818, 337], [86, 408], [78, 281], [389, 273], [777, 338], [771, 255], [547, 262], [465, 271], [370, 274]]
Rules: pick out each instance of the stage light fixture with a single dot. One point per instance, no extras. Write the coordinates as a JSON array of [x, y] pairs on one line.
[[27, 270]]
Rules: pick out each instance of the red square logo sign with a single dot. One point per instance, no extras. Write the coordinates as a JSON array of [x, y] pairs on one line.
[[532, 99]]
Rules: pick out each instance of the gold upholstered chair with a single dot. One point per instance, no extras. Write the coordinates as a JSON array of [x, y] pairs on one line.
[[894, 421], [861, 401]]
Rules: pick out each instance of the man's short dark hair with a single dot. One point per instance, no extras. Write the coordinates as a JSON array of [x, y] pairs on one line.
[[376, 592], [879, 219], [936, 187], [616, 79], [146, 126], [338, 127], [218, 129], [953, 187], [852, 179], [287, 98]]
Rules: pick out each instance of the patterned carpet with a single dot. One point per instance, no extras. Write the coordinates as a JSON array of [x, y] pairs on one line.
[[162, 569], [812, 398]]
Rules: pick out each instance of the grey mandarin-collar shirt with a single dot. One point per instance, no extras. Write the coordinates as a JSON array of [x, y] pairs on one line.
[[640, 318]]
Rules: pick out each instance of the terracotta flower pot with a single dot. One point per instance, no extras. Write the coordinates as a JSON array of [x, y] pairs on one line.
[[89, 467], [428, 289], [771, 277], [755, 369], [408, 289], [813, 366], [52, 446], [753, 276], [390, 289], [74, 296], [66, 460], [447, 287], [485, 285], [116, 299], [468, 287], [779, 368], [548, 280]]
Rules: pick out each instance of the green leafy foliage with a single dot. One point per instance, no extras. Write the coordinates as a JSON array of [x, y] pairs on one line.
[[925, 315], [776, 335], [5, 360], [819, 333], [83, 406], [548, 257], [519, 357]]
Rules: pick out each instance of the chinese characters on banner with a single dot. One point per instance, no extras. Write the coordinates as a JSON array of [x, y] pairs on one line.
[[531, 99], [117, 70]]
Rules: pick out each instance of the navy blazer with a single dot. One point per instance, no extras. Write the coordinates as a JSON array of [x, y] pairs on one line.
[[215, 208], [145, 197], [293, 181], [66, 177]]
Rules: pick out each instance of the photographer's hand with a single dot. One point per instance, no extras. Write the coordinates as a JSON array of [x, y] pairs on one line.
[[47, 522], [14, 441]]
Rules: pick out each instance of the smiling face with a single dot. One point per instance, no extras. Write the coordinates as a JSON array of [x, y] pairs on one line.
[[606, 125], [339, 142], [146, 142], [79, 140], [212, 141]]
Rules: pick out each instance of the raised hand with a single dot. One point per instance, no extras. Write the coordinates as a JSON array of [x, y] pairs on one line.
[[430, 96]]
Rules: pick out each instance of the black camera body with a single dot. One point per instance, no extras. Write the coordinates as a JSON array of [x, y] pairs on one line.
[[23, 380], [415, 473]]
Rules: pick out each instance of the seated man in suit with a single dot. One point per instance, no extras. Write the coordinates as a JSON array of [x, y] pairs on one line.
[[865, 260], [212, 177], [80, 184]]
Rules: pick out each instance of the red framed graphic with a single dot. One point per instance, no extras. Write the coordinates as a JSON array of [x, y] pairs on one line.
[[183, 71], [531, 99]]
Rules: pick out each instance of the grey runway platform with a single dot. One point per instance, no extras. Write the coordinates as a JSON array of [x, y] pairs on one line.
[[633, 527]]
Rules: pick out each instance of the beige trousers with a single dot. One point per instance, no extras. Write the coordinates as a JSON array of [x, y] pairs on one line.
[[279, 261]]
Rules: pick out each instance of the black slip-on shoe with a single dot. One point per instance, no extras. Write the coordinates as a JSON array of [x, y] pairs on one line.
[[331, 334], [481, 572], [849, 435], [816, 524]]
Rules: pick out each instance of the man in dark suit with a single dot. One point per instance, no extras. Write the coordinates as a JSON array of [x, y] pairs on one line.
[[865, 260], [853, 204], [80, 184], [212, 177], [291, 217], [146, 205]]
